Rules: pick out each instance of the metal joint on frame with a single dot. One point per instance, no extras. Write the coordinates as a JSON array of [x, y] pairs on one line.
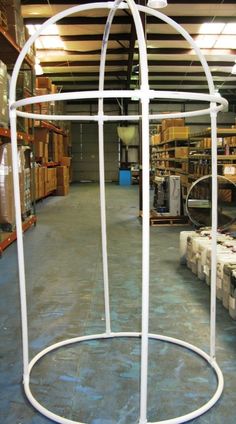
[[216, 104]]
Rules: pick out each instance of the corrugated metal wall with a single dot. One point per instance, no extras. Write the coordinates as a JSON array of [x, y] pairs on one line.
[[85, 151]]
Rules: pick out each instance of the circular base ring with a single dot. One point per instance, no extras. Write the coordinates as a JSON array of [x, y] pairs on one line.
[[177, 420]]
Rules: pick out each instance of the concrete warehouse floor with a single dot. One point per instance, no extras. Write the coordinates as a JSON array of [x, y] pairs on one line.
[[98, 382]]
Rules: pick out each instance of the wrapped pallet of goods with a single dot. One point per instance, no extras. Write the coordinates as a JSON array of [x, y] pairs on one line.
[[15, 22], [24, 153], [4, 118], [232, 296], [7, 214]]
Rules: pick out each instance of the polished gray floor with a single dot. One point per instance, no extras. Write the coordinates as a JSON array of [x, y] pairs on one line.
[[98, 382]]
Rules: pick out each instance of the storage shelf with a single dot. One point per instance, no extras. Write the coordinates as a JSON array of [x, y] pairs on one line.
[[223, 132], [50, 127], [173, 140], [10, 50], [219, 157], [4, 132], [172, 159], [9, 238], [166, 150]]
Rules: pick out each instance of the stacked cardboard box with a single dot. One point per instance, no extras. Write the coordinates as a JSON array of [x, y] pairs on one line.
[[181, 152], [174, 129], [62, 181], [41, 141], [15, 22], [173, 133], [50, 180]]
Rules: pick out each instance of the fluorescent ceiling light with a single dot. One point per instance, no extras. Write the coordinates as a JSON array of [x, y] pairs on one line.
[[211, 28], [49, 42], [51, 30], [226, 42], [234, 70], [157, 4], [50, 38], [206, 41], [230, 29]]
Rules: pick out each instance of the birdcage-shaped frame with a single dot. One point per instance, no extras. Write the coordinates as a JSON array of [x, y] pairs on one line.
[[215, 104]]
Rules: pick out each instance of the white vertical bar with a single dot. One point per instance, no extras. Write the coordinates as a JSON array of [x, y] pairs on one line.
[[214, 229], [102, 168], [145, 261], [103, 218], [20, 249], [145, 199]]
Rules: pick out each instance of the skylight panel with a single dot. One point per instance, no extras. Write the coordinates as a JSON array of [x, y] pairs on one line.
[[206, 41], [211, 28], [226, 42], [230, 28]]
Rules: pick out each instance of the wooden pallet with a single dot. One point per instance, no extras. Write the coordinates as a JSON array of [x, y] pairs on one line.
[[166, 221], [162, 220]]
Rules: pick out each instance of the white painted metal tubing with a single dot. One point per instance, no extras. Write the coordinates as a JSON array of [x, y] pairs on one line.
[[214, 224], [20, 249], [184, 418], [95, 118], [142, 93]]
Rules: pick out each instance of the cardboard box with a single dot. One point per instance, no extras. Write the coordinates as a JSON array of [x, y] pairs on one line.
[[62, 190], [174, 133], [229, 170], [167, 123], [51, 180], [66, 160], [41, 173], [39, 149], [181, 152], [41, 134], [62, 175], [45, 153], [60, 146], [156, 139], [44, 82], [7, 213]]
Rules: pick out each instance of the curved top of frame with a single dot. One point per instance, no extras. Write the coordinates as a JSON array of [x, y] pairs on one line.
[[213, 97]]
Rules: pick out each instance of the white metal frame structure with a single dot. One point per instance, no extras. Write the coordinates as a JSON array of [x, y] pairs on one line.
[[215, 104]]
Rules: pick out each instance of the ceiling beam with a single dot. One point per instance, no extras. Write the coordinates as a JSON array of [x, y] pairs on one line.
[[229, 84], [126, 19], [131, 51], [125, 37], [71, 2], [124, 74], [122, 63]]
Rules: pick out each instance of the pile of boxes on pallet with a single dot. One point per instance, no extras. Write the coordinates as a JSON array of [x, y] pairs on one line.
[[44, 86], [7, 214], [171, 129], [195, 251], [51, 181]]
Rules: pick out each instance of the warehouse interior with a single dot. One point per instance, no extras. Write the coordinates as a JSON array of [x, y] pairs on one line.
[[98, 381]]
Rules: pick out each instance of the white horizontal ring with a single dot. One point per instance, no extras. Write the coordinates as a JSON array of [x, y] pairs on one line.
[[112, 94], [177, 420], [96, 118]]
